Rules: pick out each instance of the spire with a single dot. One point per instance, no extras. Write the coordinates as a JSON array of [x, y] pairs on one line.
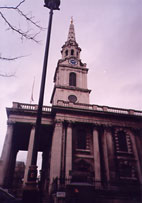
[[71, 35]]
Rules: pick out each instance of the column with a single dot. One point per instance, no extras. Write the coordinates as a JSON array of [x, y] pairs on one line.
[[69, 151], [55, 164], [105, 155], [5, 158], [11, 168], [96, 150], [111, 154], [29, 155]]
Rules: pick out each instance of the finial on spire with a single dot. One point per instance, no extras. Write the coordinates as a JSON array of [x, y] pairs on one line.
[[71, 34], [71, 19]]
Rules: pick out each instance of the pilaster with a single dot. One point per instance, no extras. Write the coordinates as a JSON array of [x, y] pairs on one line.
[[69, 150]]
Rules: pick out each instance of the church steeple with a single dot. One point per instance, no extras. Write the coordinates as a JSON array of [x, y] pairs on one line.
[[71, 74], [71, 35]]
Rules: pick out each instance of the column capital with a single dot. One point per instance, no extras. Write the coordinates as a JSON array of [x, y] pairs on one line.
[[95, 127], [33, 125], [10, 123], [107, 129], [58, 122], [69, 123]]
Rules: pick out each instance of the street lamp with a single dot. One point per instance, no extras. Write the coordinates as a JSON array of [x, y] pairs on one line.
[[52, 4], [30, 193]]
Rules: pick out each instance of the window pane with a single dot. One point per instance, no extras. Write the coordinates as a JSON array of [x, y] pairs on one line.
[[72, 79], [122, 141], [72, 52], [81, 139], [66, 52]]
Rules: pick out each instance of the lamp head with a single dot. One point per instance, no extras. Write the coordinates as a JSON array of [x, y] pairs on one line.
[[52, 4]]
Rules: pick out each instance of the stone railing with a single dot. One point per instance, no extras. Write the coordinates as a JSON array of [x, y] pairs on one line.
[[33, 107], [100, 108]]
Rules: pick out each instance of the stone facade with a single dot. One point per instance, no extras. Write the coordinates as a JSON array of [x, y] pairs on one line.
[[90, 153]]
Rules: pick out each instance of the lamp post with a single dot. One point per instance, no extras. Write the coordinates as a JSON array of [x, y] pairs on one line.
[[30, 193]]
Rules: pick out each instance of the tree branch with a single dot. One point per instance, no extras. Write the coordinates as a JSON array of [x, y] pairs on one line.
[[30, 33], [12, 7], [10, 58], [21, 32], [23, 14], [7, 75], [30, 20]]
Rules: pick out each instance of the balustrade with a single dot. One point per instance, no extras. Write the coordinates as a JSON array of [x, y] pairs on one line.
[[34, 107]]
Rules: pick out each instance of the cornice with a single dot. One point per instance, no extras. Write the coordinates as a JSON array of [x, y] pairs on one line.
[[72, 88]]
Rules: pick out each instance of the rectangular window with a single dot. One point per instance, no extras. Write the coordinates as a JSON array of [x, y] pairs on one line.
[[81, 139], [122, 141]]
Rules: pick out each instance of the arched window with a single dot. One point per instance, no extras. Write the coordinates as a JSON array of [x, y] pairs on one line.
[[66, 52], [72, 79], [72, 52]]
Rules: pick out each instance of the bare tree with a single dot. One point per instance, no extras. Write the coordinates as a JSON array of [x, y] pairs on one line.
[[29, 34]]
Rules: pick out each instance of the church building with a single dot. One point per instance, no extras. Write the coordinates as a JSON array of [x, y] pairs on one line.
[[90, 153]]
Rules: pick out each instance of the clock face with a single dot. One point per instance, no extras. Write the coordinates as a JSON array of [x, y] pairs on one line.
[[72, 98], [73, 61]]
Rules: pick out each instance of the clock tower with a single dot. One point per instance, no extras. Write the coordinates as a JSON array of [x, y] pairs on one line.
[[71, 74]]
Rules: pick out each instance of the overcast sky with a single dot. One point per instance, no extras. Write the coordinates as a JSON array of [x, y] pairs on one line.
[[109, 33]]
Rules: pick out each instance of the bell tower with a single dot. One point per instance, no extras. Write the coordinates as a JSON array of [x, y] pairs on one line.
[[71, 74]]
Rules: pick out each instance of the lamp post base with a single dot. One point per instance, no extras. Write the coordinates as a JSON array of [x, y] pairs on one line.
[[31, 196], [31, 192]]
